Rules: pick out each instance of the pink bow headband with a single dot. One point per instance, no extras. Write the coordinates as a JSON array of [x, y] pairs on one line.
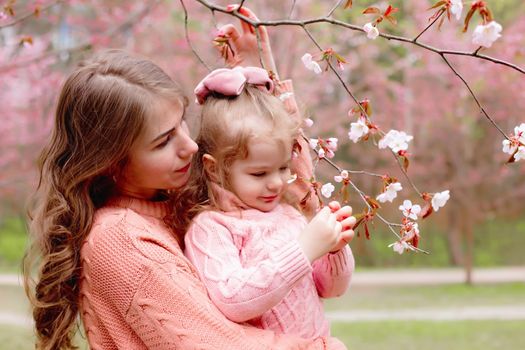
[[231, 82]]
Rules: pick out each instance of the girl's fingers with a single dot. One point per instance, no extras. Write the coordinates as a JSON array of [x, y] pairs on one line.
[[334, 206], [347, 236], [348, 223], [344, 212]]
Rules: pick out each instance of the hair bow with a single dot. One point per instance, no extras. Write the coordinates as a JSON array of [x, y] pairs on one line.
[[231, 82]]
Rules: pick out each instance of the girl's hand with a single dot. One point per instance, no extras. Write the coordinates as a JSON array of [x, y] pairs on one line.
[[244, 45], [321, 235], [343, 215]]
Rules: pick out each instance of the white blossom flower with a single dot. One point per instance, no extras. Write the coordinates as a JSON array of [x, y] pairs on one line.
[[410, 211], [331, 143], [519, 132], [371, 31], [310, 64], [292, 178], [520, 154], [285, 95], [509, 147], [399, 247], [308, 122], [440, 199], [313, 143], [330, 154], [321, 153], [396, 140], [456, 8], [357, 130], [341, 177], [390, 192], [327, 189], [486, 35]]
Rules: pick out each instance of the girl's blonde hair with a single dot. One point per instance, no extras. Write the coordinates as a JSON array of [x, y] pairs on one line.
[[228, 124], [102, 109]]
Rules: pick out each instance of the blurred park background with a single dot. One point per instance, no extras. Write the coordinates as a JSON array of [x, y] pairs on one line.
[[455, 297]]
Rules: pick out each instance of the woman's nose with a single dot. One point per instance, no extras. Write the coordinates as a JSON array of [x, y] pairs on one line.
[[186, 147]]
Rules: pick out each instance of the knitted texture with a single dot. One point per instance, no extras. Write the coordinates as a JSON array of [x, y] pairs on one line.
[[256, 272], [138, 291]]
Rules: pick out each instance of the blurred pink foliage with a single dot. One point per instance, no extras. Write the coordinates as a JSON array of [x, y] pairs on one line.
[[410, 89]]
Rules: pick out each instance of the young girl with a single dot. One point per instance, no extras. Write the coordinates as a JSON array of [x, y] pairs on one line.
[[260, 260], [101, 249]]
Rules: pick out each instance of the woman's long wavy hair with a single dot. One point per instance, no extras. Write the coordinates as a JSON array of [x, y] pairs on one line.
[[227, 125], [102, 109]]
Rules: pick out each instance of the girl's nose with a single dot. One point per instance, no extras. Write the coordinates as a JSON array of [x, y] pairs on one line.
[[275, 183]]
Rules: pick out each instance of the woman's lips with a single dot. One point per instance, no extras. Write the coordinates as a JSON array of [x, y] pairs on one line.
[[184, 169]]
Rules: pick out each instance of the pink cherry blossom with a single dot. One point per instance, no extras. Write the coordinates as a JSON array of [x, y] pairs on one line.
[[520, 154], [396, 140], [341, 177], [308, 122], [371, 31], [310, 64], [358, 130], [410, 211], [456, 7], [486, 35], [390, 192], [327, 189], [331, 143], [399, 247], [440, 199]]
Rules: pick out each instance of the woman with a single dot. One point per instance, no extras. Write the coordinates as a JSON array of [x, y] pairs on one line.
[[119, 146]]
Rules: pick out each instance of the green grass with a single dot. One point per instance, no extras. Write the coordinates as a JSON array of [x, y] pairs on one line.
[[446, 296], [13, 242], [458, 335]]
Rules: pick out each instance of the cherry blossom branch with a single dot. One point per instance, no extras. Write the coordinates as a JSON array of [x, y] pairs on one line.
[[334, 8], [30, 14], [363, 111], [430, 25], [302, 23], [362, 195], [291, 9], [186, 33], [474, 97]]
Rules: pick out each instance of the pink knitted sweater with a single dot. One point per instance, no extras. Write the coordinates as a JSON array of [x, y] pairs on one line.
[[256, 272], [138, 291]]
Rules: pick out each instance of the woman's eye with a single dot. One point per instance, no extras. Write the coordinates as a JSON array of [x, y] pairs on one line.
[[259, 174], [283, 168], [165, 142]]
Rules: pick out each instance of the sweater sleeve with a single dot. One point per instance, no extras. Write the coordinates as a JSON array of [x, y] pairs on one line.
[[332, 273], [172, 311], [242, 292], [302, 163]]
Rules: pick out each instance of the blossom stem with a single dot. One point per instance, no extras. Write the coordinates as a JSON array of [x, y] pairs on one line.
[[430, 25], [186, 33]]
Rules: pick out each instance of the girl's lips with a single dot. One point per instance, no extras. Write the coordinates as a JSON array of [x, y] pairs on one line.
[[269, 199], [183, 170]]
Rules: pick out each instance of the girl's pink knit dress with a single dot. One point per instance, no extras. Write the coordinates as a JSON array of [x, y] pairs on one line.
[[256, 272]]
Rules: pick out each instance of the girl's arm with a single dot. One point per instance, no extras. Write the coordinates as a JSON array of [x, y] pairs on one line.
[[242, 292], [333, 272]]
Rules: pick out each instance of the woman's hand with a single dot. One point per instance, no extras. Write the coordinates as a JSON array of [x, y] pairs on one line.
[[244, 45]]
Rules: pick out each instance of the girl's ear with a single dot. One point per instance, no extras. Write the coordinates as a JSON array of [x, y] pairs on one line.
[[210, 167]]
